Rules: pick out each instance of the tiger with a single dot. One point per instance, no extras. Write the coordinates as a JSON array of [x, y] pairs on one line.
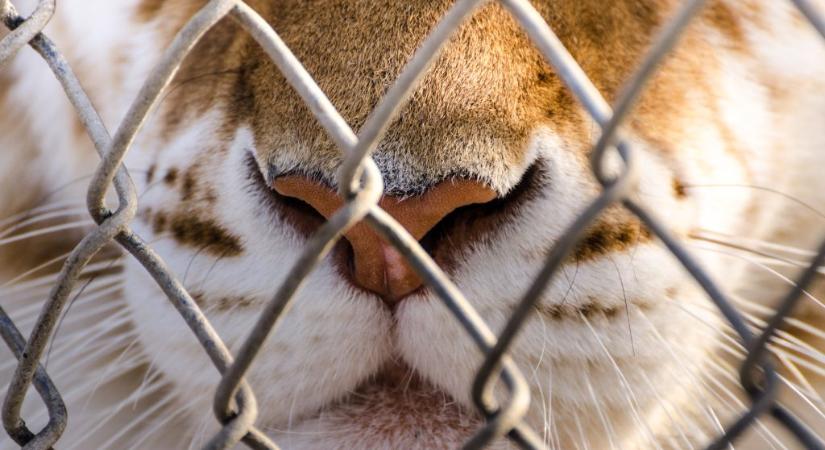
[[486, 164]]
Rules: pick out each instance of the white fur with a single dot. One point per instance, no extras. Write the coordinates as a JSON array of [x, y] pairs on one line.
[[623, 380]]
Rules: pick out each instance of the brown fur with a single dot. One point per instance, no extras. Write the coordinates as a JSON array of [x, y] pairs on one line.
[[171, 176], [149, 9], [588, 311], [610, 235], [222, 303], [203, 234], [28, 253], [478, 76], [491, 86]]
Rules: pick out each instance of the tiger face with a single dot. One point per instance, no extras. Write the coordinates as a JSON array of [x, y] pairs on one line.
[[486, 165]]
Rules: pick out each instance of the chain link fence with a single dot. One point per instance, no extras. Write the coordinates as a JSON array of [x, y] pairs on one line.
[[361, 186]]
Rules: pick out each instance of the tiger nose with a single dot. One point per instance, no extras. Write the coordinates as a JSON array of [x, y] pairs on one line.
[[378, 266]]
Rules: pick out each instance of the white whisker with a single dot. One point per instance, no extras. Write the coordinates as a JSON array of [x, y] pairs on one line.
[[803, 396], [600, 411], [36, 269], [802, 381], [47, 230], [199, 436], [51, 207], [80, 340], [663, 405], [737, 351], [139, 420], [171, 415], [48, 280], [27, 314], [792, 321], [728, 344], [79, 391], [753, 261], [582, 438], [630, 395], [94, 350], [113, 410], [42, 217], [752, 244], [765, 189], [784, 339], [697, 383], [769, 436], [546, 399]]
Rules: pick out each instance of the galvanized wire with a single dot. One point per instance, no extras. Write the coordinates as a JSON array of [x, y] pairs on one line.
[[361, 185]]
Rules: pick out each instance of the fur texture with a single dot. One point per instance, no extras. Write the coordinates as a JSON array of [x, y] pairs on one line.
[[623, 351]]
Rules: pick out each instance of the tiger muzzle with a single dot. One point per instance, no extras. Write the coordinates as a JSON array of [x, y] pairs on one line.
[[377, 265]]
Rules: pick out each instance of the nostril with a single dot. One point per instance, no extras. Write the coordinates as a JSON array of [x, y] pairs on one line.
[[376, 265]]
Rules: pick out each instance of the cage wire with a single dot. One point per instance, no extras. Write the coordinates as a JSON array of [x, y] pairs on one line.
[[361, 186]]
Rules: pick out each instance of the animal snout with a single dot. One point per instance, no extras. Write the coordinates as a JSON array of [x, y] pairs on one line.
[[376, 265]]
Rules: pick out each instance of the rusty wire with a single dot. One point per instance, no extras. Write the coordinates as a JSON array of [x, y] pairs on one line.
[[361, 185]]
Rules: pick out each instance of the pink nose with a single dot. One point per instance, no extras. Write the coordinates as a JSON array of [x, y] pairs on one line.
[[378, 267]]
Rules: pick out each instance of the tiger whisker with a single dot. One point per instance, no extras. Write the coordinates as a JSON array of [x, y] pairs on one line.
[[785, 279], [10, 220], [600, 411], [546, 399], [94, 351], [805, 363], [47, 230], [199, 435], [626, 304], [720, 389], [734, 348], [191, 261], [580, 430], [92, 343], [752, 243], [786, 340], [80, 391], [792, 321], [47, 216], [68, 308], [118, 407], [151, 373], [49, 279], [128, 349], [630, 394], [663, 405], [727, 374], [697, 382], [802, 381], [140, 418], [169, 416], [767, 257], [765, 189], [36, 269], [802, 392], [28, 313]]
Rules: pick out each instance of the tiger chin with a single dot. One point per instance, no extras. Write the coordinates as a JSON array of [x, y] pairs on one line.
[[486, 165]]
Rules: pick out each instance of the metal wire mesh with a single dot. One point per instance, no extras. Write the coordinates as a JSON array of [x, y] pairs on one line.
[[361, 186]]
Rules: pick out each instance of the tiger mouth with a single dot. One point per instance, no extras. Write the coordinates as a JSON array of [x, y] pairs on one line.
[[395, 401]]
